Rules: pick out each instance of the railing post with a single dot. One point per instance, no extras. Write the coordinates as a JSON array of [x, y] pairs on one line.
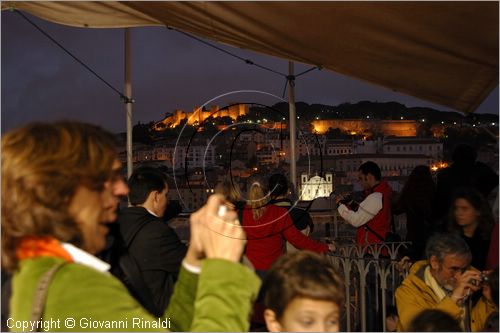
[[384, 273], [347, 276], [362, 294]]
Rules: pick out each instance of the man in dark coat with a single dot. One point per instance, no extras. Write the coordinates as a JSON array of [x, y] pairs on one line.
[[154, 245], [464, 171]]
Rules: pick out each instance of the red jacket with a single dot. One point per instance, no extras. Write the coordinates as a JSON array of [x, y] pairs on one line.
[[380, 223], [266, 236]]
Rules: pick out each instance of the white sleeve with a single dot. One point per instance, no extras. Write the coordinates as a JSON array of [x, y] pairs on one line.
[[191, 268], [368, 208]]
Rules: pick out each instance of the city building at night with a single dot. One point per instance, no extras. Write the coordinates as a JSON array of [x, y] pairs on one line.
[[315, 187]]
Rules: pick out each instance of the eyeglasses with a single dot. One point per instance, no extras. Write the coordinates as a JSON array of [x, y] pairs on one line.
[[456, 269]]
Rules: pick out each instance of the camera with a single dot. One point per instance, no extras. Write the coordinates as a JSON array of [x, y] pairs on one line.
[[349, 201], [346, 200], [484, 278]]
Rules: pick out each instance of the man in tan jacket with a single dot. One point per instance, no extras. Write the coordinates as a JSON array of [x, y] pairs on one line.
[[444, 282]]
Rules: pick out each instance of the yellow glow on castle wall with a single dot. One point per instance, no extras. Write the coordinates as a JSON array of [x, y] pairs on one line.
[[367, 126], [198, 116]]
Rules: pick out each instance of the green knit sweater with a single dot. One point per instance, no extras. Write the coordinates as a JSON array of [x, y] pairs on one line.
[[83, 299]]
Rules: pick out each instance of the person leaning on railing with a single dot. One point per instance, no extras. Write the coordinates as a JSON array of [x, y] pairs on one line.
[[60, 188], [268, 227]]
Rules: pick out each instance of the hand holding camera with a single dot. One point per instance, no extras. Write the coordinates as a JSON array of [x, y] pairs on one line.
[[483, 278], [347, 200], [469, 282]]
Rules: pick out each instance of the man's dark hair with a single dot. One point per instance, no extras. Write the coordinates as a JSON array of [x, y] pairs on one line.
[[442, 244], [433, 320], [370, 168], [143, 181], [278, 185]]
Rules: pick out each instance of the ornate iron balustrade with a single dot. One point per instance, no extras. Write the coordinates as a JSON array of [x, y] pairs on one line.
[[372, 274]]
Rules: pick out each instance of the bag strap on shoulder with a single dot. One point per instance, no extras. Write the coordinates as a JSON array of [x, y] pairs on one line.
[[374, 232], [393, 227], [41, 292]]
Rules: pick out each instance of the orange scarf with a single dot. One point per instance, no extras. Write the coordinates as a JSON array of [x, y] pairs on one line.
[[33, 247]]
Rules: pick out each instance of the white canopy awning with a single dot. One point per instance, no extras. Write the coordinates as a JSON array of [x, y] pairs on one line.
[[443, 52]]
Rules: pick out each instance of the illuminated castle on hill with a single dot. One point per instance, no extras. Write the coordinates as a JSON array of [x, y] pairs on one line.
[[405, 128], [198, 116], [367, 126]]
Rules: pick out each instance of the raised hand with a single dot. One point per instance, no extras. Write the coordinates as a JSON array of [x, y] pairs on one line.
[[467, 283], [217, 234]]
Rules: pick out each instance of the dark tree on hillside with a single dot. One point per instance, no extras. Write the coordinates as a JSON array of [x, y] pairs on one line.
[[335, 133], [223, 121], [141, 133]]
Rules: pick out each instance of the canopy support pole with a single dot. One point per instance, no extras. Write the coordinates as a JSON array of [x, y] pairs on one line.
[[293, 126], [128, 102]]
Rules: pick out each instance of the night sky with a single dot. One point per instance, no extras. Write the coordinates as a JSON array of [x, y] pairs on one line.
[[170, 71]]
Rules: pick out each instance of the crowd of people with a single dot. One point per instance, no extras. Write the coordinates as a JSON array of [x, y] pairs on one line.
[[71, 253]]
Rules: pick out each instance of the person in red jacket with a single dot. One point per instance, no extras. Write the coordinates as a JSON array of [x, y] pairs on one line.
[[267, 227], [374, 211], [373, 220]]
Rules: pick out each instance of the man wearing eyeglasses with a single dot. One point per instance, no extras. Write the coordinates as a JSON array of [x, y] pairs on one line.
[[445, 281]]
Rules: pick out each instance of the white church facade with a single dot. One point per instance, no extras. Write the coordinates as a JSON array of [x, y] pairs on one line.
[[315, 187]]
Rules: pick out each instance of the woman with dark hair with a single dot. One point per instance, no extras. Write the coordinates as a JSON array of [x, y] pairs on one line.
[[417, 202], [470, 215]]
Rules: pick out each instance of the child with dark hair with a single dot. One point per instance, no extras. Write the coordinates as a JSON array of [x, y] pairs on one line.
[[434, 321], [303, 292]]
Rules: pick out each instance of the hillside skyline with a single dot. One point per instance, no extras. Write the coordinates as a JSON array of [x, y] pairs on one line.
[[359, 110], [169, 71]]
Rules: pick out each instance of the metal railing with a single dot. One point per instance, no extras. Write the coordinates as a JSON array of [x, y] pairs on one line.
[[329, 224], [371, 273]]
